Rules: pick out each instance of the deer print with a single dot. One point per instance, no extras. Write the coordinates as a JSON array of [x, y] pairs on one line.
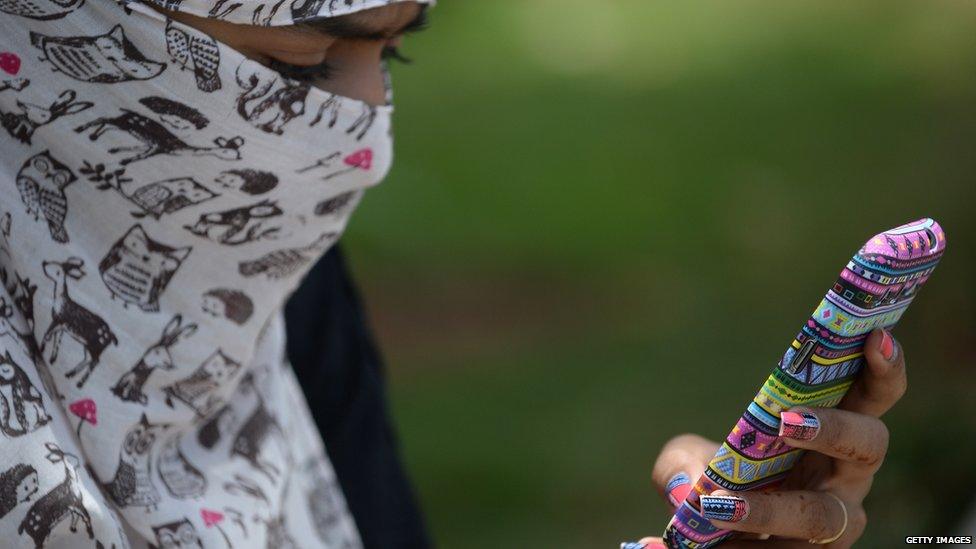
[[63, 501], [70, 318], [29, 117], [129, 386], [132, 484], [269, 101], [155, 139], [238, 225]]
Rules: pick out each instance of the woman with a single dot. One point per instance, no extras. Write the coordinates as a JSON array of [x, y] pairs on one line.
[[175, 169]]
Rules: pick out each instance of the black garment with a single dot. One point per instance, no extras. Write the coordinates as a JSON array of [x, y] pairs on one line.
[[340, 370]]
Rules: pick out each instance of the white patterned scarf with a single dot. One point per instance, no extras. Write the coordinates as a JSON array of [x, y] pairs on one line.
[[161, 196]]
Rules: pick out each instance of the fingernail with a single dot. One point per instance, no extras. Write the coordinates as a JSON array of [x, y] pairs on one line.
[[678, 488], [798, 425], [726, 508], [632, 545], [888, 348]]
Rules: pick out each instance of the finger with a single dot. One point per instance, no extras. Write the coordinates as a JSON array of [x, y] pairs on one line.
[[847, 436], [763, 544], [680, 463], [644, 543], [799, 515], [883, 380]]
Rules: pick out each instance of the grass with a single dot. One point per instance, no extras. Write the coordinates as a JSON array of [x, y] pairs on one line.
[[605, 223]]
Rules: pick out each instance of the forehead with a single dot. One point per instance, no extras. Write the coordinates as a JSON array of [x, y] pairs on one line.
[[376, 23]]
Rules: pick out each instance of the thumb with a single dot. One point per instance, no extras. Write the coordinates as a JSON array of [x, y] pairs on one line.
[[679, 465]]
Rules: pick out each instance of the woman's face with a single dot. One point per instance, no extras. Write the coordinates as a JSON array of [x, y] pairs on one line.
[[349, 46]]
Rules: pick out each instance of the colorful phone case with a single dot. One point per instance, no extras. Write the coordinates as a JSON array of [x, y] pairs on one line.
[[873, 290]]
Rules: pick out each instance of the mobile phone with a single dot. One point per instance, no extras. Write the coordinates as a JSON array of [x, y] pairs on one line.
[[873, 291]]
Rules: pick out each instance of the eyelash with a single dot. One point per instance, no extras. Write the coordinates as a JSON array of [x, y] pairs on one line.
[[392, 53], [322, 70]]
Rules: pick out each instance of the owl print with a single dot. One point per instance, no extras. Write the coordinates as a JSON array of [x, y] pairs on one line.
[[169, 195], [176, 535], [41, 182], [197, 52], [106, 59], [196, 390], [181, 478], [132, 484], [137, 269]]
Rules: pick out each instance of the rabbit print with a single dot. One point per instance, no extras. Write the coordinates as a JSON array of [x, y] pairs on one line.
[[137, 269], [28, 117], [157, 357], [132, 484]]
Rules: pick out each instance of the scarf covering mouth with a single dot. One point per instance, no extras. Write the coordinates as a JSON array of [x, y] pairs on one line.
[[161, 195]]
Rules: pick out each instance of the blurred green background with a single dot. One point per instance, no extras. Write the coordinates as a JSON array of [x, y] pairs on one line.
[[608, 219]]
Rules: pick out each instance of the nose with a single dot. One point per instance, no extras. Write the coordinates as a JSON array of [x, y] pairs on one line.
[[357, 71]]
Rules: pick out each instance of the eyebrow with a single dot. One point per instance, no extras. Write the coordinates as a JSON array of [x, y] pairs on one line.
[[347, 27]]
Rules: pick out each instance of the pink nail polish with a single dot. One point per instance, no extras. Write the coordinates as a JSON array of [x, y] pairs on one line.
[[887, 346], [678, 488], [798, 426]]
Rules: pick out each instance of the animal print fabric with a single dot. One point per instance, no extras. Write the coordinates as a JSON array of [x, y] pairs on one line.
[[160, 197]]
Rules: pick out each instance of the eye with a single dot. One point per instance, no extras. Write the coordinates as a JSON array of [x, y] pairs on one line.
[[392, 53], [302, 73]]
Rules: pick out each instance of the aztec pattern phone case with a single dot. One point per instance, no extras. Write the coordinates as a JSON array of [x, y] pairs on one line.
[[873, 291]]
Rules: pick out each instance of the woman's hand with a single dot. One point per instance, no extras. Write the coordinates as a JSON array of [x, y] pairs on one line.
[[848, 447]]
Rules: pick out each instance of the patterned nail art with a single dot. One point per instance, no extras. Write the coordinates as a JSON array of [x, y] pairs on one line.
[[798, 426], [678, 488], [726, 508], [632, 545]]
